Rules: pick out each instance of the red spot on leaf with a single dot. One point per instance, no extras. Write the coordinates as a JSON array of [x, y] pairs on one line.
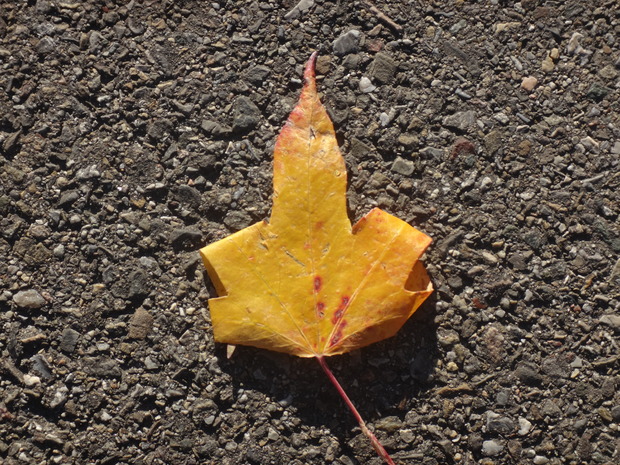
[[319, 225], [337, 336], [344, 303], [318, 282], [320, 309]]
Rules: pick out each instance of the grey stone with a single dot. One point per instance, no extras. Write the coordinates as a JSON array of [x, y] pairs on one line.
[[402, 166], [608, 72], [347, 42], [102, 367], [525, 426], [41, 366], [366, 85], [383, 68], [160, 128], [182, 236], [29, 299], [528, 374], [493, 141], [68, 198], [551, 409], [462, 120], [257, 74], [611, 320], [497, 424], [237, 220], [298, 9], [598, 92], [215, 128], [432, 153], [68, 340], [492, 448], [246, 115]]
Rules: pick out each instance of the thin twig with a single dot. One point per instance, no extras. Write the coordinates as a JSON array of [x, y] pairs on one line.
[[377, 446], [382, 16]]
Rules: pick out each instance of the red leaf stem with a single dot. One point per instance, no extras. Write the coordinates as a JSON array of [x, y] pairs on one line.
[[377, 446]]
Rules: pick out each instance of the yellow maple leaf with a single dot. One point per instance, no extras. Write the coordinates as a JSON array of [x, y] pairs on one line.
[[306, 282]]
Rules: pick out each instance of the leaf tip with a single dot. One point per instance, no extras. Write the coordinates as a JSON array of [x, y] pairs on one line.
[[309, 72]]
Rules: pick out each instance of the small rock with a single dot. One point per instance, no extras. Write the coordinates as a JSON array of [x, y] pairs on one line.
[[462, 120], [237, 220], [29, 299], [528, 374], [529, 83], [608, 72], [140, 324], [497, 424], [257, 74], [246, 115], [102, 367], [68, 198], [59, 251], [366, 85], [524, 426], [160, 128], [383, 68], [347, 42], [150, 363], [298, 9], [551, 409], [69, 340], [490, 258], [491, 448], [389, 424], [547, 64], [597, 92], [30, 380], [573, 44], [590, 144], [181, 236], [611, 320], [402, 166]]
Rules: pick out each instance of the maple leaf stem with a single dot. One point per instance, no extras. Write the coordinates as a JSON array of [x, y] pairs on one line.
[[377, 446]]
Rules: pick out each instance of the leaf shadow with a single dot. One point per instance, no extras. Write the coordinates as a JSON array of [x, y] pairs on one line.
[[388, 378]]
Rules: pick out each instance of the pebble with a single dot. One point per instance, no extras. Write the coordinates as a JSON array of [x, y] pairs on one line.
[[528, 83], [140, 324], [383, 68], [347, 42], [612, 320], [525, 426], [497, 424], [246, 115], [29, 299], [366, 85], [31, 381], [181, 236], [608, 72], [462, 120], [297, 10], [68, 340], [492, 448], [547, 64], [402, 166]]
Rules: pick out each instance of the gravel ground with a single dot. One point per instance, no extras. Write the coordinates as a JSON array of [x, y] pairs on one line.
[[131, 134]]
